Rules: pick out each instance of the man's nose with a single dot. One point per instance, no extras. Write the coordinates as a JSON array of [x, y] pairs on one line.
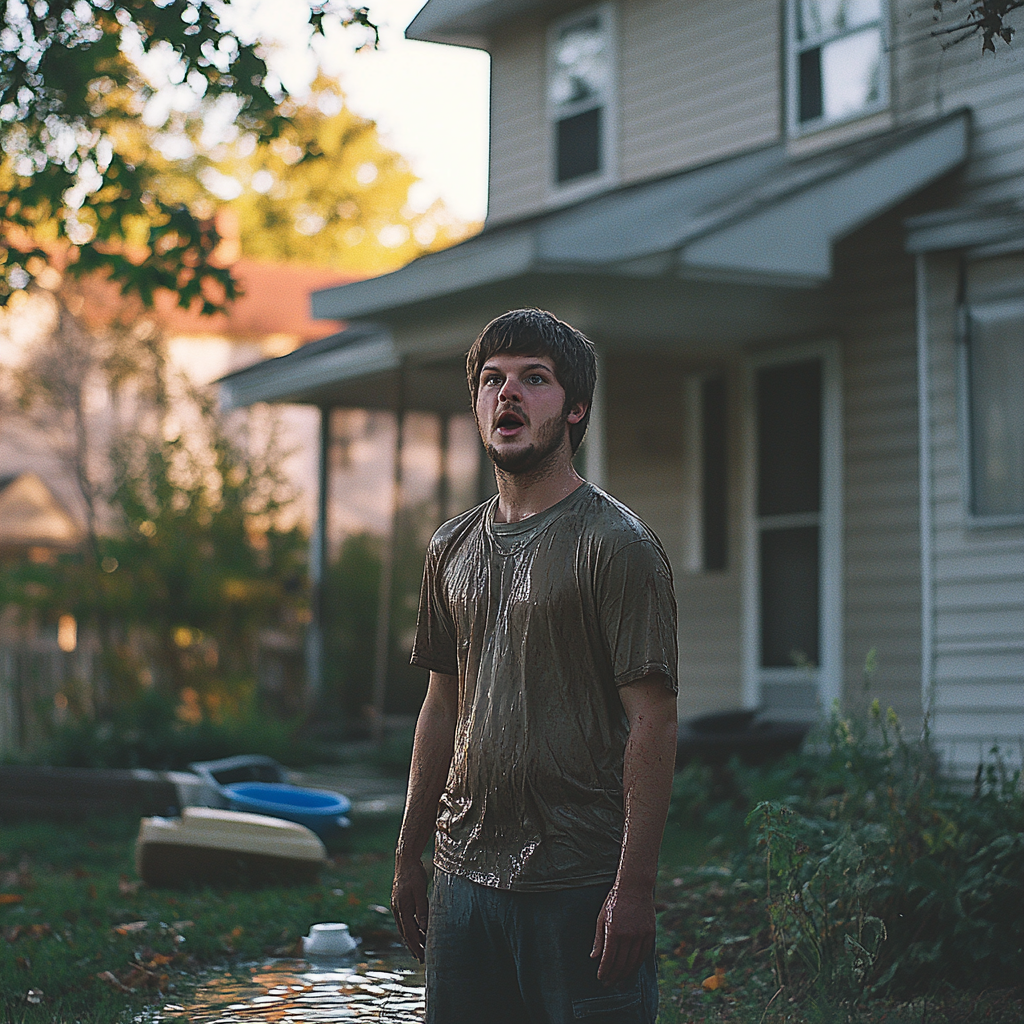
[[510, 390]]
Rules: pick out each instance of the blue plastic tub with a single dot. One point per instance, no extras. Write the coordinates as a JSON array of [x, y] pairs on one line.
[[318, 809]]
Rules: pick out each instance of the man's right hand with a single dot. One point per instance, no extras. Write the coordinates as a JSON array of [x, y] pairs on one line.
[[409, 904]]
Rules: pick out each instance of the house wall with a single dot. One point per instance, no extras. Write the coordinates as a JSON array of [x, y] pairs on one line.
[[680, 102], [647, 457], [977, 696], [874, 300], [930, 81]]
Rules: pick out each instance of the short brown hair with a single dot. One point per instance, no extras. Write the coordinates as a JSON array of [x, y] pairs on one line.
[[535, 332]]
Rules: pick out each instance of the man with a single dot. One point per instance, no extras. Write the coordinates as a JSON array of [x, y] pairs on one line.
[[545, 747]]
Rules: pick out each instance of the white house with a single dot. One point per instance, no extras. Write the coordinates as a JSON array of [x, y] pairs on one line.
[[795, 231]]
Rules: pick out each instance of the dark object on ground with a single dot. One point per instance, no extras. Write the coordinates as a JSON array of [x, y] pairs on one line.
[[73, 794], [210, 845], [715, 739]]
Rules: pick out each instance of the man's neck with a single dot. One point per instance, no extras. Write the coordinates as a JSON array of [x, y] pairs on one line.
[[521, 495]]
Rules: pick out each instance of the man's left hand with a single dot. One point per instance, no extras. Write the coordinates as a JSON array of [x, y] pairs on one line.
[[625, 934]]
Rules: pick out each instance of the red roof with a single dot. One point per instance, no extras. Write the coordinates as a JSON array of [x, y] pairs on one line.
[[274, 301]]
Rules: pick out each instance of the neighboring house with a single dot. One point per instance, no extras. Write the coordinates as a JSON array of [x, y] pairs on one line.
[[795, 232], [41, 507]]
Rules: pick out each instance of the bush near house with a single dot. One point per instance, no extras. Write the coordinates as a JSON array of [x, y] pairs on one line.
[[857, 874]]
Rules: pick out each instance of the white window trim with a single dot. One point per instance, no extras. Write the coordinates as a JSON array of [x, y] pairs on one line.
[[828, 675], [609, 173], [794, 128], [963, 390]]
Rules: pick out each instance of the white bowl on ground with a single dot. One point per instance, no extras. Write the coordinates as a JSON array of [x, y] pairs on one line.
[[328, 939]]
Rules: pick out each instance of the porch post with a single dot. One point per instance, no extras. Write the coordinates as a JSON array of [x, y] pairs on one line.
[[924, 442], [318, 569], [387, 570], [596, 467]]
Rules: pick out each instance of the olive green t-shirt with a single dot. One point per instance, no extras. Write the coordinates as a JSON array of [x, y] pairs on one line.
[[542, 621]]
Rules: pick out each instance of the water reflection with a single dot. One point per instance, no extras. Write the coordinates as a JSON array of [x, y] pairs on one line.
[[388, 987]]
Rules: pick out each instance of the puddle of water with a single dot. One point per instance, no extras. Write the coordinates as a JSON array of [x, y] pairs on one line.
[[386, 987]]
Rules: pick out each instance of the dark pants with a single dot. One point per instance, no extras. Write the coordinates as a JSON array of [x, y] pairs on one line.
[[500, 957]]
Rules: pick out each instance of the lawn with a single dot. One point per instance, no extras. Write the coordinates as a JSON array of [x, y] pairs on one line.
[[870, 890]]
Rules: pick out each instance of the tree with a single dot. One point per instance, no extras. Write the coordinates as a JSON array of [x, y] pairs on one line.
[[327, 191], [76, 175], [987, 18], [188, 558]]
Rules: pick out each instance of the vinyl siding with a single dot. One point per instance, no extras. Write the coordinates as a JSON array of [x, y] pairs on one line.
[[874, 303], [977, 693], [645, 456], [681, 102], [930, 81]]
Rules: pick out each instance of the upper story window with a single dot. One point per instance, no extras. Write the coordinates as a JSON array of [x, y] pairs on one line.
[[837, 68], [580, 97]]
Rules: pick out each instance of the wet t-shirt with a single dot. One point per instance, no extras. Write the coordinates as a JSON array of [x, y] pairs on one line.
[[542, 621]]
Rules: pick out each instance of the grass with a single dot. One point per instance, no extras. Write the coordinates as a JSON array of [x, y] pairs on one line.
[[94, 947], [81, 940]]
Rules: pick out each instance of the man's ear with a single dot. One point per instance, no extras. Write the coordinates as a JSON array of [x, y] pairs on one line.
[[577, 412]]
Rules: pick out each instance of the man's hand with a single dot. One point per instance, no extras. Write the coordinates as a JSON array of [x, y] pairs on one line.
[[625, 934], [409, 905]]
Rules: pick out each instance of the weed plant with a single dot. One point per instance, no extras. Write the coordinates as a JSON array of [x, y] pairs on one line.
[[857, 875]]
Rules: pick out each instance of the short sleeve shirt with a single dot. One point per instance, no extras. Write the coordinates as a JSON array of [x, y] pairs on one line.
[[542, 621]]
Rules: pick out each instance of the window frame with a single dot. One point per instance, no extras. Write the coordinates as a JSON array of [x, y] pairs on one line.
[[965, 404], [607, 174], [793, 50]]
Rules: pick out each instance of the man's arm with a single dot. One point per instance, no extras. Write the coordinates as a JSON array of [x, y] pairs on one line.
[[432, 751], [626, 925]]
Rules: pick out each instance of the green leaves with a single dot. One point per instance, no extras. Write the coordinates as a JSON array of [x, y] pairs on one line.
[[80, 182]]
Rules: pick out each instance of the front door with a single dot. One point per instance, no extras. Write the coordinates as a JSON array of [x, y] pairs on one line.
[[793, 559]]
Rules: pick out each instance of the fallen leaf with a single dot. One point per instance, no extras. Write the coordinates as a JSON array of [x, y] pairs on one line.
[[354, 901], [92, 892], [111, 979], [7, 898], [127, 886], [378, 909], [716, 981], [130, 927], [23, 962], [12, 932], [38, 931], [159, 959], [34, 996]]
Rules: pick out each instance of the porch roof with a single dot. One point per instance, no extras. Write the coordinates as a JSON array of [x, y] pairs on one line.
[[762, 217], [727, 253]]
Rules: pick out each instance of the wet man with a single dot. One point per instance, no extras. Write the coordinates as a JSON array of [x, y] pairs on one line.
[[545, 746]]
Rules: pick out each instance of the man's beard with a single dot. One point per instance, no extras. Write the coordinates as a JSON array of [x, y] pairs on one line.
[[532, 458]]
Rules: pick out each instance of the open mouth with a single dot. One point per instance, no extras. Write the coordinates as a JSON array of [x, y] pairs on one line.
[[508, 423]]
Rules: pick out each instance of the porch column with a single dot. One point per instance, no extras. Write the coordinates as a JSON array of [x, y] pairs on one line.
[[318, 569], [595, 452], [924, 442], [387, 569]]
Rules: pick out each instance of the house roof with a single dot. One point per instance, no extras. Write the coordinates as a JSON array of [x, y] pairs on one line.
[[274, 302], [466, 22], [728, 252], [30, 516], [762, 217]]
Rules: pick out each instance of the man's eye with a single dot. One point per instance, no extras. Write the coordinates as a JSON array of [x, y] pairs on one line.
[[492, 380], [535, 378]]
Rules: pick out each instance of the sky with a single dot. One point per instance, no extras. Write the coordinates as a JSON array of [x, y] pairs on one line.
[[429, 101]]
